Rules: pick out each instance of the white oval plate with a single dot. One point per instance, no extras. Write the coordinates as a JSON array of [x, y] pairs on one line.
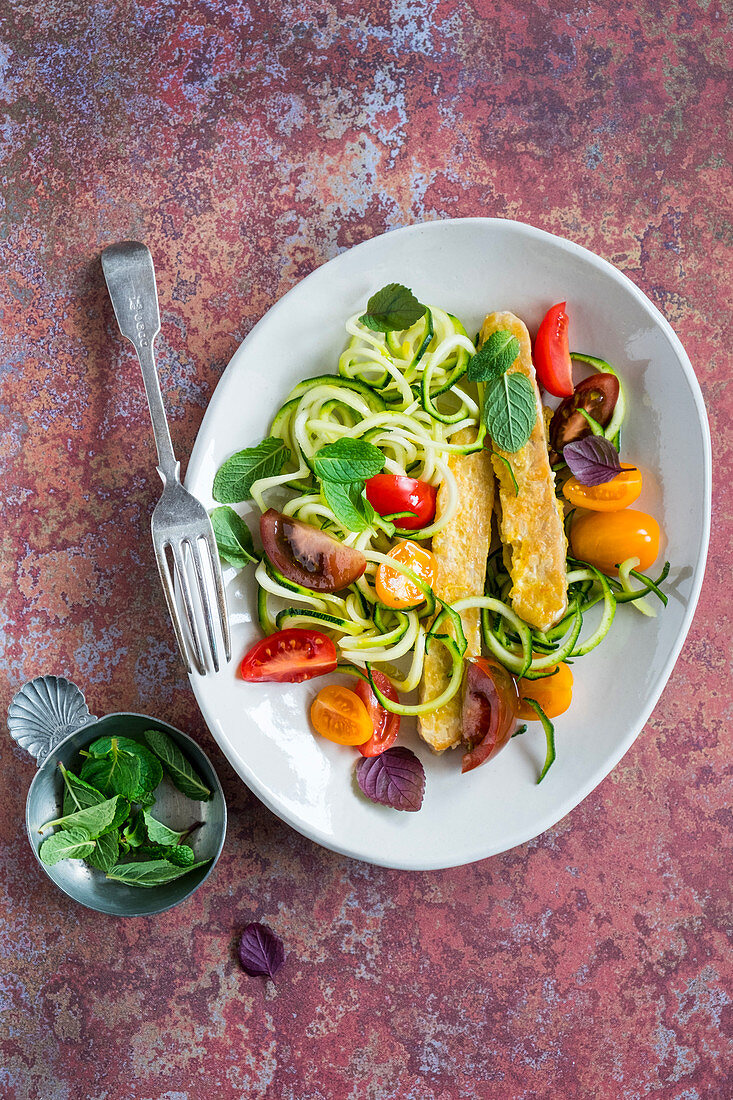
[[468, 266]]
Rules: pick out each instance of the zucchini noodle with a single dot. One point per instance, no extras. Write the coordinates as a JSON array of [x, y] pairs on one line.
[[400, 392], [624, 573], [397, 391]]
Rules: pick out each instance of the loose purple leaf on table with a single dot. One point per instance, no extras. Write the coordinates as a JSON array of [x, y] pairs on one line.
[[395, 778], [260, 951], [593, 460]]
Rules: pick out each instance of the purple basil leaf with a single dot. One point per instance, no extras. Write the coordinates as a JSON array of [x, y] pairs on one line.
[[395, 778], [592, 460], [261, 952]]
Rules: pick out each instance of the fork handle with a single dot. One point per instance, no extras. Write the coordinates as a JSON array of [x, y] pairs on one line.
[[168, 467], [130, 277]]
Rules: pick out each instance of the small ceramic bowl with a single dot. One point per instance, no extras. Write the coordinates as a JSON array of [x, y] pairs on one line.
[[49, 718]]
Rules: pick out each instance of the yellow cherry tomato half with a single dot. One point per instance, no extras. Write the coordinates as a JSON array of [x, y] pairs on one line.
[[611, 496], [605, 539], [554, 694], [339, 715], [395, 589]]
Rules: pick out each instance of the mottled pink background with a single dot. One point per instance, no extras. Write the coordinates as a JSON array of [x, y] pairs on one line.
[[248, 143]]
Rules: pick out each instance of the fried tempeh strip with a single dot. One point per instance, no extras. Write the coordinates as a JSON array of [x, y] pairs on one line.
[[530, 521], [461, 550]]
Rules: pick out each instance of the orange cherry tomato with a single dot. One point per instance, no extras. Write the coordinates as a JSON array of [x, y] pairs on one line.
[[605, 539], [339, 715], [611, 496], [554, 694], [395, 589]]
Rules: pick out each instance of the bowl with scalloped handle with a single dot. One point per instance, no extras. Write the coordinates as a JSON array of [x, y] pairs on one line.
[[50, 719]]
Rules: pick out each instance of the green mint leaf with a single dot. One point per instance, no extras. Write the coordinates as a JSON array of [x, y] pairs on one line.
[[158, 832], [151, 873], [98, 819], [78, 794], [494, 357], [392, 309], [348, 460], [366, 508], [72, 843], [151, 775], [180, 771], [510, 411], [106, 852], [135, 834], [349, 506], [151, 772], [234, 480], [115, 772], [178, 854], [181, 855], [233, 538]]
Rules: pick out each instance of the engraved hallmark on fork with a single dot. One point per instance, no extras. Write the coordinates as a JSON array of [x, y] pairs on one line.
[[136, 307]]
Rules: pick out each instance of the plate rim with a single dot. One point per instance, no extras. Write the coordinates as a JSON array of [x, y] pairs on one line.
[[538, 826]]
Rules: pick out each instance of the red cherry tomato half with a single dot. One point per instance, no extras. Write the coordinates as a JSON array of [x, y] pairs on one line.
[[552, 353], [489, 706], [386, 725], [289, 656], [597, 395], [391, 493], [307, 556]]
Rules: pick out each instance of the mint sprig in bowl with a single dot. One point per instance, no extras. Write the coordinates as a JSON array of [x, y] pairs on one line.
[[126, 813]]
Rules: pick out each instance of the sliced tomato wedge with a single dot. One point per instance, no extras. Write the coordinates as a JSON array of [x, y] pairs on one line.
[[489, 705], [289, 656], [386, 725], [597, 396], [390, 494], [552, 353], [307, 556]]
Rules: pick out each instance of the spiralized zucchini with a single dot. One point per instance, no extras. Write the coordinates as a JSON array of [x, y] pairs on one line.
[[397, 391], [401, 392]]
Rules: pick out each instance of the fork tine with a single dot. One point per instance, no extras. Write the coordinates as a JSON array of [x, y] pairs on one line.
[[182, 575], [204, 598], [220, 596], [170, 599]]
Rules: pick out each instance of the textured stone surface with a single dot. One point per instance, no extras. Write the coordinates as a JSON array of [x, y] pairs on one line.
[[247, 143]]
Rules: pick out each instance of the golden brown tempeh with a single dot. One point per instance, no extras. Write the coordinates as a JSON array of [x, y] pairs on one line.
[[461, 550], [530, 522]]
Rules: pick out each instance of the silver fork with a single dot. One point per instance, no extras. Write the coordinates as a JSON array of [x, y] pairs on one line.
[[180, 523]]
